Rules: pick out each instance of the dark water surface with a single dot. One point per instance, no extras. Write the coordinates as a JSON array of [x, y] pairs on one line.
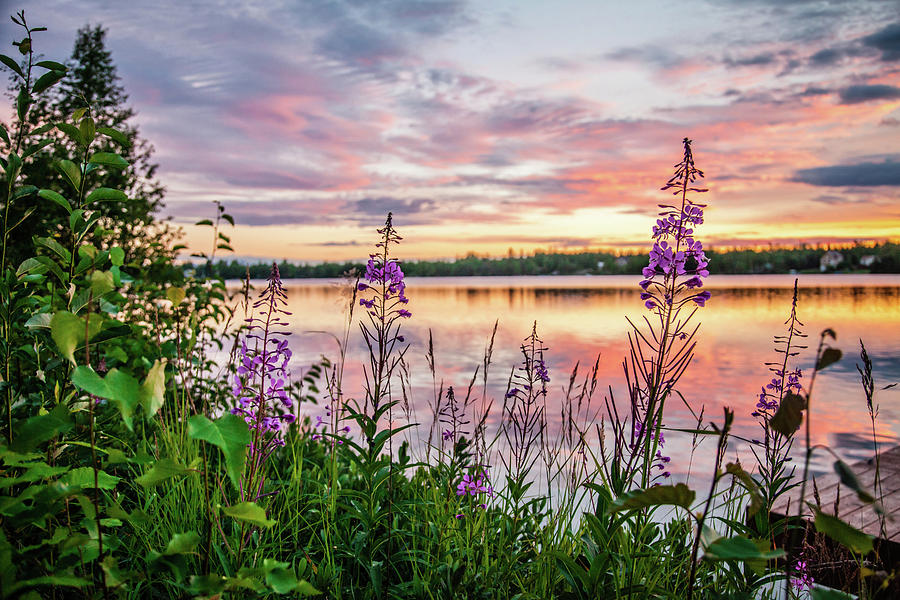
[[581, 317]]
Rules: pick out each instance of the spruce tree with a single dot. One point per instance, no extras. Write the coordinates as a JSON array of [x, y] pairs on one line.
[[92, 84]]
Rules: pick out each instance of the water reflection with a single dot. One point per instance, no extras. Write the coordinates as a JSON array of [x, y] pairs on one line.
[[580, 318]]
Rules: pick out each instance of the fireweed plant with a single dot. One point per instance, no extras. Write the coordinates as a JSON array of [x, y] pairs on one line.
[[158, 491], [775, 476], [660, 354], [259, 384]]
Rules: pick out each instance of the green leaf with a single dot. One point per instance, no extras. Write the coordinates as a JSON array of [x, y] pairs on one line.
[[52, 65], [749, 484], [305, 588], [829, 357], [70, 172], [101, 283], [56, 197], [13, 165], [230, 434], [116, 256], [111, 329], [182, 543], [848, 478], [39, 321], [106, 195], [281, 578], [153, 390], [51, 580], [4, 135], [228, 218], [46, 80], [84, 477], [54, 268], [789, 415], [35, 472], [72, 132], [164, 469], [37, 147], [88, 130], [677, 495], [37, 430], [23, 102], [9, 62], [207, 585], [31, 266], [175, 295], [43, 129], [249, 512], [843, 533], [204, 222], [76, 219], [55, 247], [88, 251], [738, 548], [117, 387], [67, 330], [109, 159], [113, 576], [116, 136]]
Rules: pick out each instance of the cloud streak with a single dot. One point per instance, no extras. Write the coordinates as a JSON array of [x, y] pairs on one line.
[[866, 174]]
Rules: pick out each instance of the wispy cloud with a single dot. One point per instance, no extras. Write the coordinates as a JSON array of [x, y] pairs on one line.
[[861, 175]]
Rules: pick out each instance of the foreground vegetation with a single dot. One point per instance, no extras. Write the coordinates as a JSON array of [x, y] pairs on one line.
[[135, 464]]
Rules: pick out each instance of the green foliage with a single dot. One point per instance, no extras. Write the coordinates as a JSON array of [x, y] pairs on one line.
[[249, 512], [660, 495], [230, 435], [843, 533], [740, 549]]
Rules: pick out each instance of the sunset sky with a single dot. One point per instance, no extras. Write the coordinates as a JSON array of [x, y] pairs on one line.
[[506, 124]]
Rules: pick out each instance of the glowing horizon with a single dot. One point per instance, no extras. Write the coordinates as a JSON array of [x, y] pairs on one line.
[[510, 125]]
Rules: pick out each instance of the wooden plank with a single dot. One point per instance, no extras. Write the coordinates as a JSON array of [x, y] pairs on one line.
[[850, 508]]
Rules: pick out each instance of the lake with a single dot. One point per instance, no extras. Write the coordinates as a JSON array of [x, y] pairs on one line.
[[581, 317]]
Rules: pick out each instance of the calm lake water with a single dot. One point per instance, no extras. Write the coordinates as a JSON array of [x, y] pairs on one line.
[[581, 317]]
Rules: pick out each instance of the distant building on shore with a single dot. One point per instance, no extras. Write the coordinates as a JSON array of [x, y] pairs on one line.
[[830, 260], [868, 260]]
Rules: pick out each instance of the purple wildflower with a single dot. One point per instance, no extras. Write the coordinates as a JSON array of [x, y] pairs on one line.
[[541, 370], [259, 383], [475, 485], [802, 580], [701, 298], [675, 252]]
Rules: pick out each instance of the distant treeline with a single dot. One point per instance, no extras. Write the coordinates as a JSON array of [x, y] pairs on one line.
[[881, 258]]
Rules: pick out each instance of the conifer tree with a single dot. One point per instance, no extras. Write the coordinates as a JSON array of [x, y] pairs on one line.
[[92, 84]]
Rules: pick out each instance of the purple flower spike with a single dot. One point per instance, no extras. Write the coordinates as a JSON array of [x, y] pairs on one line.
[[261, 376]]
